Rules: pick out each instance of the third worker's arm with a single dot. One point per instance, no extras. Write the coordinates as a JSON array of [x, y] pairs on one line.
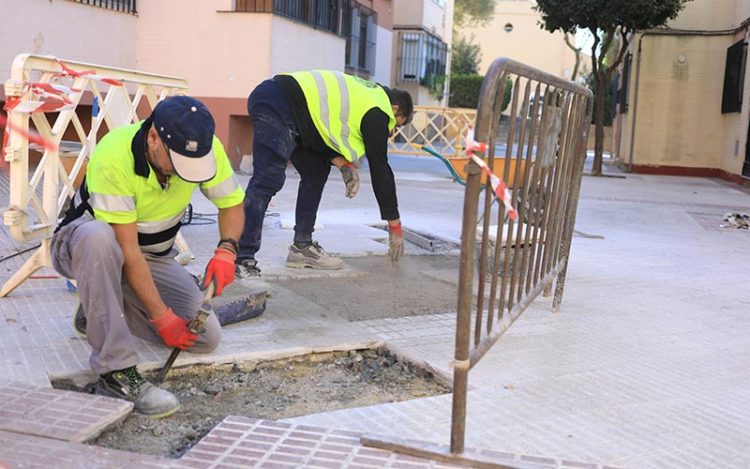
[[375, 133], [227, 195]]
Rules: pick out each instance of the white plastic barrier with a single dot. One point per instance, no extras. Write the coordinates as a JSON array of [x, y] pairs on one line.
[[38, 86]]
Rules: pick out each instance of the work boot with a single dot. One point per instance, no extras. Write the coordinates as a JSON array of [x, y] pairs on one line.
[[79, 322], [313, 256], [129, 385], [246, 269]]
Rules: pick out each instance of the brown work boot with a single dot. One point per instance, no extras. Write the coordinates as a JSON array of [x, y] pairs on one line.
[[312, 256]]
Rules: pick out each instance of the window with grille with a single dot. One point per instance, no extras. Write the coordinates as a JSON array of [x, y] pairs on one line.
[[423, 57], [125, 6], [359, 27]]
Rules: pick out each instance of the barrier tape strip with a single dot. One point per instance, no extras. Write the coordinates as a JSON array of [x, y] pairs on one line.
[[31, 137], [498, 185], [47, 97]]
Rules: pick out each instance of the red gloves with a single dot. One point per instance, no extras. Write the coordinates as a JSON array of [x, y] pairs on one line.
[[220, 268], [395, 240], [174, 331]]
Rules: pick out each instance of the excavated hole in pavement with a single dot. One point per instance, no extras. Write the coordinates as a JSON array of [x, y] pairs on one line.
[[274, 390]]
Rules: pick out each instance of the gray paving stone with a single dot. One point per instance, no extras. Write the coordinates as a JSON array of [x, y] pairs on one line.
[[52, 413], [19, 450], [235, 442]]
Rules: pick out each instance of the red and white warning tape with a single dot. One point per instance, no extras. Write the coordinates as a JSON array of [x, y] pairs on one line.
[[498, 185], [47, 97], [31, 137]]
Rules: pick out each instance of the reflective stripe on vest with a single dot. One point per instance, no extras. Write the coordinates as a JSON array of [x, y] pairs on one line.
[[337, 103]]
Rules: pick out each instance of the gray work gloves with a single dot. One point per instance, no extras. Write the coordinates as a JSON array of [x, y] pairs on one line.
[[350, 175], [395, 240]]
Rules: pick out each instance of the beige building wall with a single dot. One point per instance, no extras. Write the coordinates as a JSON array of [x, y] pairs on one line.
[[53, 27], [296, 47], [526, 43], [678, 116], [220, 53]]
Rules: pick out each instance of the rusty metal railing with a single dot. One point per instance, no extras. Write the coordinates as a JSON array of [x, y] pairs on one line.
[[505, 265], [528, 256]]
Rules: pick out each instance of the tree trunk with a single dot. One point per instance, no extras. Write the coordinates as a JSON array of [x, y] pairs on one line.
[[577, 52], [601, 84]]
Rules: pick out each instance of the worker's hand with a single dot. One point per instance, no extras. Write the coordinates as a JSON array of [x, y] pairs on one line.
[[395, 240], [173, 330], [350, 174], [220, 269]]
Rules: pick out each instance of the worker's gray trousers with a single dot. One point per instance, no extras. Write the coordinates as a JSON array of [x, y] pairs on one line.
[[86, 250]]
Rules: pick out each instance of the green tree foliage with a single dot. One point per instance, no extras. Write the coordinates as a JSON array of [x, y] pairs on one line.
[[612, 22], [479, 12], [466, 55], [465, 91]]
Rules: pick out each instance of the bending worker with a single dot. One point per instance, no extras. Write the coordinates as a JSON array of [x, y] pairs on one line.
[[117, 241], [317, 119]]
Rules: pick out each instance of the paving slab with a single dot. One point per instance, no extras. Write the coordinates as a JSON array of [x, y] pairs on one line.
[[18, 450], [61, 415], [246, 442]]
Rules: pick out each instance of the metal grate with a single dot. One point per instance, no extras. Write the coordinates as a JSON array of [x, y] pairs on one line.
[[125, 6], [423, 57], [359, 27], [320, 14]]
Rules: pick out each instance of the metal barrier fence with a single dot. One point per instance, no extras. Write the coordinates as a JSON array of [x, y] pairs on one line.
[[442, 129], [505, 265], [47, 92]]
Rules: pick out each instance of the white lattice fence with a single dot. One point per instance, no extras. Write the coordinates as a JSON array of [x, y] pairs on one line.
[[440, 128], [47, 92]]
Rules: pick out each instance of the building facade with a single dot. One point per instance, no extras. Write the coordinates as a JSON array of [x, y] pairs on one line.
[[224, 48], [514, 32], [685, 95], [423, 32]]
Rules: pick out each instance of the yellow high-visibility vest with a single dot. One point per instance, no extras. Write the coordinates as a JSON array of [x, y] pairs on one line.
[[337, 103], [118, 194]]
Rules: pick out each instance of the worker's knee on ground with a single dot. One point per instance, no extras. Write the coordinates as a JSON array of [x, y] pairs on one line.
[[209, 339]]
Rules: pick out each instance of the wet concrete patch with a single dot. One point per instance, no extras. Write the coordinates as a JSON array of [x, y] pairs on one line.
[[409, 289]]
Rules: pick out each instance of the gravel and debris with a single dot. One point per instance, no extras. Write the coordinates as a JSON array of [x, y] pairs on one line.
[[737, 220], [270, 390]]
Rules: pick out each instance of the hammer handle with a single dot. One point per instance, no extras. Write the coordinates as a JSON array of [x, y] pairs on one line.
[[195, 326]]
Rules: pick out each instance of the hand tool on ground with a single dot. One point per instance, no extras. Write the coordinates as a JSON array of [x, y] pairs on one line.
[[195, 326]]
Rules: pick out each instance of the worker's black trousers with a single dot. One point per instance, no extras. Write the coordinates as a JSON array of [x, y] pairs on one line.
[[275, 143]]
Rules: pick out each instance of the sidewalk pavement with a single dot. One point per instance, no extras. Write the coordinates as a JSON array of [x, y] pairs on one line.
[[645, 365]]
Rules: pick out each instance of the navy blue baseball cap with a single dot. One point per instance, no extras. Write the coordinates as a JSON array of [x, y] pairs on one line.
[[187, 129]]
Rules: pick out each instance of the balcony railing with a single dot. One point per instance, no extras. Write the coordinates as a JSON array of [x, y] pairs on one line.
[[320, 14], [125, 6]]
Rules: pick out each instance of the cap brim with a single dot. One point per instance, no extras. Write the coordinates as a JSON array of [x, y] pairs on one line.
[[192, 169]]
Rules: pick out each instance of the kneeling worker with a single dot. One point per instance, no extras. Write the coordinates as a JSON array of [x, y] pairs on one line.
[[117, 241]]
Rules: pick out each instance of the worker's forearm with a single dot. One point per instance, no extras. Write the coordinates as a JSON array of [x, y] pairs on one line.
[[138, 275], [231, 222], [339, 161]]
